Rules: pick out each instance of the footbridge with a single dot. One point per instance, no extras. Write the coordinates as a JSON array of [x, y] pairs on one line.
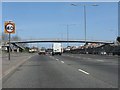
[[61, 41]]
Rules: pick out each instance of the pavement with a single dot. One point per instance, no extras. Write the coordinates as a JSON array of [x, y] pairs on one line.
[[16, 60], [66, 71]]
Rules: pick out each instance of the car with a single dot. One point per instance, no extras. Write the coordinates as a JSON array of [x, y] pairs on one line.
[[103, 53], [42, 52]]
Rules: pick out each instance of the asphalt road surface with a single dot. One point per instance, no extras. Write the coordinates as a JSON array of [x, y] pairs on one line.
[[66, 71]]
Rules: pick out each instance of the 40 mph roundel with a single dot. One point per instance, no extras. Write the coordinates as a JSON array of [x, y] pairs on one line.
[[9, 28]]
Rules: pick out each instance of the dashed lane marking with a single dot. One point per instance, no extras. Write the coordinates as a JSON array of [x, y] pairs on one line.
[[100, 60], [57, 59], [62, 62], [83, 71]]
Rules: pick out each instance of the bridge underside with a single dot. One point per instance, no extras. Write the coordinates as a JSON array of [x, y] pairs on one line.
[[62, 41]]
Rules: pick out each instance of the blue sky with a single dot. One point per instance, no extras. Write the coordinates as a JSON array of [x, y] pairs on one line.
[[49, 19]]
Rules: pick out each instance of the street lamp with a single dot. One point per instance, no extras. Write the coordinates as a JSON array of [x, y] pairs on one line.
[[84, 19]]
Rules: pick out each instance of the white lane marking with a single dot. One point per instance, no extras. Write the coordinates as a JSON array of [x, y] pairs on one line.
[[100, 60], [83, 71], [62, 61], [57, 59]]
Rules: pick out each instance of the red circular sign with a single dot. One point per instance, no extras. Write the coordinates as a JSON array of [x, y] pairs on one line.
[[9, 27]]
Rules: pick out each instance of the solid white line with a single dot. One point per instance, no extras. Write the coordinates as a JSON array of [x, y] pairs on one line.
[[62, 61], [83, 71]]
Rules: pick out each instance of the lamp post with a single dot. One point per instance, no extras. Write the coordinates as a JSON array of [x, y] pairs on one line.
[[85, 25], [84, 20]]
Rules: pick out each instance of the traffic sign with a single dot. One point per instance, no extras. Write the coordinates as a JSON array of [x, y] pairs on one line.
[[9, 27]]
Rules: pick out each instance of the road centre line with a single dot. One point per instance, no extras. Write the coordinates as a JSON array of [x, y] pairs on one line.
[[83, 71]]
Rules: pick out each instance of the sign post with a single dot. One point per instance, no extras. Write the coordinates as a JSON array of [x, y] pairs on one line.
[[9, 48], [9, 29]]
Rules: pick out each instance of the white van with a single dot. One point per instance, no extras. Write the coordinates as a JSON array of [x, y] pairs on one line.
[[57, 49]]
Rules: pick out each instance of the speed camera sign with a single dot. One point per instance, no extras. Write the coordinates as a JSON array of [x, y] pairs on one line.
[[9, 27]]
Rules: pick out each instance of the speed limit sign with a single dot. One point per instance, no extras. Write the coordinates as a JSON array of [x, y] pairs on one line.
[[9, 27]]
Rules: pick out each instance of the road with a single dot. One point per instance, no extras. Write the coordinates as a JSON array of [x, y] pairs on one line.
[[66, 71]]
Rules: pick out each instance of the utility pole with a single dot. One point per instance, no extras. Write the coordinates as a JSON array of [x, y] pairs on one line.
[[84, 21]]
